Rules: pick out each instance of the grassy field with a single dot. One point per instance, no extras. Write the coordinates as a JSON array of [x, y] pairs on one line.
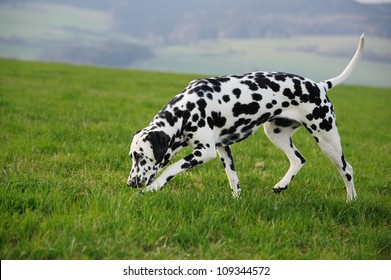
[[64, 137]]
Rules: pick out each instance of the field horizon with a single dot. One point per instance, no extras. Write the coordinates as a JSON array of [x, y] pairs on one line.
[[65, 135]]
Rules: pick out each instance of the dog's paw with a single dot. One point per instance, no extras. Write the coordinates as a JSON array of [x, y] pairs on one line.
[[351, 198], [154, 187], [236, 194], [278, 189]]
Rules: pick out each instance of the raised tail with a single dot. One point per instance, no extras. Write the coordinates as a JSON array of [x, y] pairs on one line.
[[330, 83]]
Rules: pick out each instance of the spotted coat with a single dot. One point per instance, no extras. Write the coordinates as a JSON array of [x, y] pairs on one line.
[[211, 114]]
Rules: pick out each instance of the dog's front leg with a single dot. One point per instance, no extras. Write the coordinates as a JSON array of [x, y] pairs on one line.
[[228, 163], [197, 157]]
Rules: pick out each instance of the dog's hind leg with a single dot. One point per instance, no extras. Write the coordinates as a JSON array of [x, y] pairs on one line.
[[228, 162], [330, 144], [279, 131]]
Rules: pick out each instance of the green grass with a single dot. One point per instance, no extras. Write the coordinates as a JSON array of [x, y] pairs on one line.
[[64, 137]]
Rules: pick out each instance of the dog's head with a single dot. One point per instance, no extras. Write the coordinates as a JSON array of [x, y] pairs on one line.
[[147, 151]]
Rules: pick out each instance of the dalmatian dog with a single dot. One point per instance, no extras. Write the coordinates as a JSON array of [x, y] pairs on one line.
[[211, 114]]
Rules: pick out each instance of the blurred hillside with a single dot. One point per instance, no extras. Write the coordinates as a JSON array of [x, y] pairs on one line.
[[135, 33]]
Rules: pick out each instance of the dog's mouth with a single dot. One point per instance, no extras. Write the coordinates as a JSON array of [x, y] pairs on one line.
[[138, 182], [135, 182]]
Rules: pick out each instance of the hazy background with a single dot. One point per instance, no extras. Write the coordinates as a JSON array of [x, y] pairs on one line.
[[314, 38]]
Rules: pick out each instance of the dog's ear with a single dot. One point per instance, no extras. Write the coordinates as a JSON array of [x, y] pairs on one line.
[[159, 141]]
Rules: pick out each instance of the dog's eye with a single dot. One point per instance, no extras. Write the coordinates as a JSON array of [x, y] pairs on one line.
[[136, 156]]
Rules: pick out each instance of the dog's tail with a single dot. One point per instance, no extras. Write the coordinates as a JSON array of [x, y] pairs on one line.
[[330, 83]]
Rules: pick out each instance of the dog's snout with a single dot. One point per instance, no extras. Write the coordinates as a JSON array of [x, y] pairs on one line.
[[134, 183]]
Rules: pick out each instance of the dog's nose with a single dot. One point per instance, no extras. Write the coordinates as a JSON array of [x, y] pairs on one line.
[[130, 182], [134, 183]]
